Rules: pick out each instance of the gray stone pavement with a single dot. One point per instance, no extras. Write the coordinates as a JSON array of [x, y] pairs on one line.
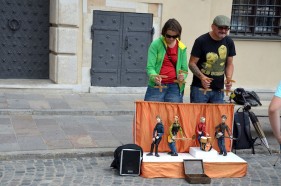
[[87, 171], [63, 122], [48, 137]]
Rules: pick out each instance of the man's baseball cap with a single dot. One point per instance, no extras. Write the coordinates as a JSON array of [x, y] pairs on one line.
[[221, 20]]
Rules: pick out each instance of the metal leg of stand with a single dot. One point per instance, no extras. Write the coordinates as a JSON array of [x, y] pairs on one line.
[[277, 159]]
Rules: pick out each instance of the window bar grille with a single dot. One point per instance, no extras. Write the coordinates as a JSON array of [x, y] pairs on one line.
[[259, 18], [247, 18]]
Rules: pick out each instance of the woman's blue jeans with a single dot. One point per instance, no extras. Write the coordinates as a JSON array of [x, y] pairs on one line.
[[170, 94]]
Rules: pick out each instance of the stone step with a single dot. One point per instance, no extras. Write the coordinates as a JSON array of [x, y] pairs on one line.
[[65, 112]]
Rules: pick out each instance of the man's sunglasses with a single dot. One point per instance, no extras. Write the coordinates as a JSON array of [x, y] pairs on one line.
[[223, 27], [169, 36]]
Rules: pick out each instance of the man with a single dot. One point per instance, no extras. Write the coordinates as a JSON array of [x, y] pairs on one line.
[[274, 114], [173, 130], [211, 59], [220, 134]]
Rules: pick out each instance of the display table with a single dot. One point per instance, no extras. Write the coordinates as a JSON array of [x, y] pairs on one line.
[[215, 166], [167, 166]]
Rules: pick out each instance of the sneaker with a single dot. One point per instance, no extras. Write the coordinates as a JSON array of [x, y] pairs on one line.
[[170, 153], [174, 154], [225, 154], [220, 153], [157, 155], [149, 154]]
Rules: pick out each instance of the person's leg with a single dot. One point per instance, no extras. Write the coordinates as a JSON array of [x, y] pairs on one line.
[[198, 96], [274, 117], [174, 149], [173, 94], [220, 145], [223, 147], [154, 94], [151, 149], [171, 148], [216, 97], [199, 136], [156, 146]]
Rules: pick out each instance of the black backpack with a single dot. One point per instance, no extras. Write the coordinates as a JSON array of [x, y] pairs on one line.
[[241, 96], [117, 154], [242, 131]]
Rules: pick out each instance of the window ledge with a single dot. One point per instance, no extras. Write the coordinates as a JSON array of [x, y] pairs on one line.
[[255, 38]]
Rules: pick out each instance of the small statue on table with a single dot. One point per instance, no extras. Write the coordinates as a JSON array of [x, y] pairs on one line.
[[220, 134], [201, 132], [173, 130], [158, 132]]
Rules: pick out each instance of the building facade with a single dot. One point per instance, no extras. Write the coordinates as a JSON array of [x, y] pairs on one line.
[[78, 47]]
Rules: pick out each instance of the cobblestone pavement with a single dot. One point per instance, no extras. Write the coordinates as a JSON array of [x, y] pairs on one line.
[[86, 171], [61, 139]]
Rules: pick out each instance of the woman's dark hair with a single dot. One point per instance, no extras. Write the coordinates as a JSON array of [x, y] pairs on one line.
[[172, 24]]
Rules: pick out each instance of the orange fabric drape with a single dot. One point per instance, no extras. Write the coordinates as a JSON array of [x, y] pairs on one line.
[[162, 170], [189, 115], [225, 170], [176, 169]]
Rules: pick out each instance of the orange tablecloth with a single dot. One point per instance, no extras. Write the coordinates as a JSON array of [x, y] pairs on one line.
[[211, 169], [189, 115]]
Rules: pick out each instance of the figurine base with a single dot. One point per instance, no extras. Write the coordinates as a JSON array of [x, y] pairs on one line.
[[167, 166], [196, 152]]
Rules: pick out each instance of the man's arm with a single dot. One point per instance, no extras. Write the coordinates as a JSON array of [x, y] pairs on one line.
[[205, 81], [154, 132], [193, 66], [197, 128], [229, 69], [274, 117], [170, 130], [217, 128], [228, 131], [182, 133]]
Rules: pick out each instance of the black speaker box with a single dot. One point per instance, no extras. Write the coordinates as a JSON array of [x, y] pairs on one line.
[[130, 162]]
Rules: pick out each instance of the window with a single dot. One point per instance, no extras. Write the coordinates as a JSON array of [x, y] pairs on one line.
[[256, 19]]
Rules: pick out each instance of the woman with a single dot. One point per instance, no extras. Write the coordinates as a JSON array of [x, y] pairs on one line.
[[167, 65]]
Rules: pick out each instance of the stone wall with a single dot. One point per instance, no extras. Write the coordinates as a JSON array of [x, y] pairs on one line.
[[64, 19]]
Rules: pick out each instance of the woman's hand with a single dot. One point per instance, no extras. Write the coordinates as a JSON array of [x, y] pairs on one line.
[[181, 77], [158, 80]]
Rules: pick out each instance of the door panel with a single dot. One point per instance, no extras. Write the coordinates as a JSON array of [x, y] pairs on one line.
[[120, 44], [137, 30], [24, 39], [106, 52]]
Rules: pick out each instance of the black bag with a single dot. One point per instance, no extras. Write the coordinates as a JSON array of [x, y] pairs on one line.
[[242, 131], [117, 154], [241, 96]]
